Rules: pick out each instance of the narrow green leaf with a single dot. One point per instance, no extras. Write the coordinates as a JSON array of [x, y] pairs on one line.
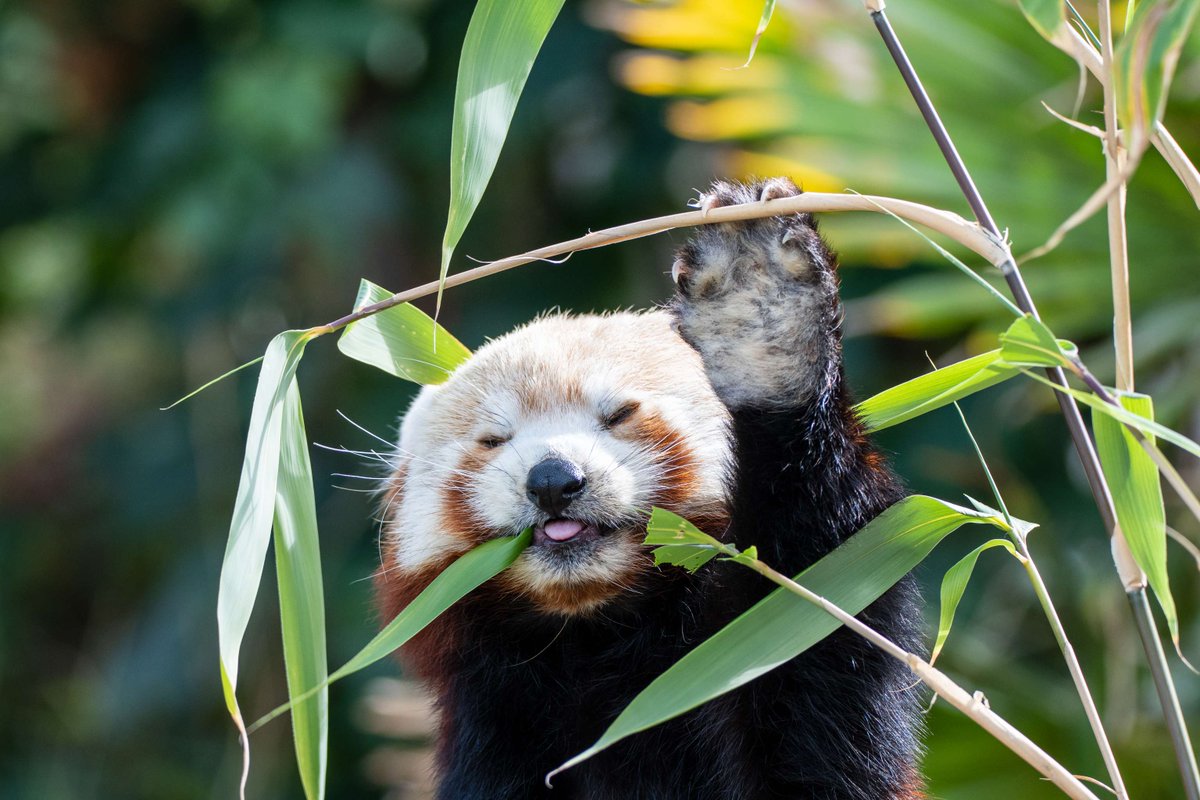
[[783, 625], [1147, 426], [213, 382], [946, 254], [1132, 477], [933, 390], [955, 583], [301, 597], [1020, 526], [1044, 15], [502, 41], [470, 571], [763, 22], [403, 340], [1146, 56], [1028, 342], [250, 528]]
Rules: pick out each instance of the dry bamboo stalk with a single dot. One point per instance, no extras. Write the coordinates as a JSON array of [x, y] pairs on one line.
[[974, 706], [1070, 42], [968, 234]]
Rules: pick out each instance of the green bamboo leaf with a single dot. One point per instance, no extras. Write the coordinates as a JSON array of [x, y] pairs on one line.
[[470, 571], [1146, 56], [301, 597], [502, 41], [402, 340], [934, 390], [1132, 476], [954, 260], [1028, 342], [1147, 426], [783, 625], [1044, 15], [954, 583], [679, 542], [213, 382], [250, 528], [763, 22]]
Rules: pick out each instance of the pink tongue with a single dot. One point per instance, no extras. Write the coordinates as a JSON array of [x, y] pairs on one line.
[[562, 529]]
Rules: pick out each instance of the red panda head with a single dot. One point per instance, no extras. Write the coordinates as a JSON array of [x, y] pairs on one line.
[[574, 426]]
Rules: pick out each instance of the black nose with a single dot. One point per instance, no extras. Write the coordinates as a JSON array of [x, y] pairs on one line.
[[553, 484]]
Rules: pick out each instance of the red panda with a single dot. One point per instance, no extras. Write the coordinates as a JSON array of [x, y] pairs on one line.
[[729, 408]]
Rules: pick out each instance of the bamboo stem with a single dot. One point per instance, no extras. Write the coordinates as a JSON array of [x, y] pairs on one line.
[[1118, 246], [947, 223], [974, 706], [1070, 42]]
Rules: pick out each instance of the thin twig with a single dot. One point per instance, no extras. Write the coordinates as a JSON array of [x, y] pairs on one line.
[[972, 705], [1042, 593], [1068, 40]]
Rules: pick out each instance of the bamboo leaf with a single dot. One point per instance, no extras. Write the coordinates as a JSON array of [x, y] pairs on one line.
[[502, 41], [1132, 476], [763, 22], [933, 390], [403, 340], [250, 528], [301, 597], [1028, 342], [1044, 15], [954, 584], [1145, 59], [1147, 426], [782, 626], [679, 542], [470, 571]]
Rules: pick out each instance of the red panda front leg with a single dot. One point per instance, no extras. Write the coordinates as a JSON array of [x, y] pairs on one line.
[[758, 300]]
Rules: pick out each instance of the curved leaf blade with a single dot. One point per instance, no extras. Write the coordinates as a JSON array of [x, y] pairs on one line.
[[763, 21], [301, 597], [502, 41], [1146, 57], [954, 584], [1044, 15], [1132, 477], [933, 390], [470, 571], [402, 340], [250, 528], [1028, 342], [1147, 426], [782, 626]]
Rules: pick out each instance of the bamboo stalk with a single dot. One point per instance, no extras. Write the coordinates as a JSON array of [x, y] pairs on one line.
[[968, 234], [1118, 246], [973, 706], [1083, 443], [1070, 42]]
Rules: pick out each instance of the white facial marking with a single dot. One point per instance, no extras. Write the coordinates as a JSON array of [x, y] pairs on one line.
[[544, 391]]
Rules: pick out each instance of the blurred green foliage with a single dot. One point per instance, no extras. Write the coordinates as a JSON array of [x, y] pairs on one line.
[[181, 180]]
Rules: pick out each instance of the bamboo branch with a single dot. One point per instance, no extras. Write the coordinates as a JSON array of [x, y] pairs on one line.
[[1118, 246], [972, 705], [1068, 40], [968, 234]]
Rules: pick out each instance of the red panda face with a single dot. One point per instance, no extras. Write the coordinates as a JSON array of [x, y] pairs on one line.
[[572, 426]]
